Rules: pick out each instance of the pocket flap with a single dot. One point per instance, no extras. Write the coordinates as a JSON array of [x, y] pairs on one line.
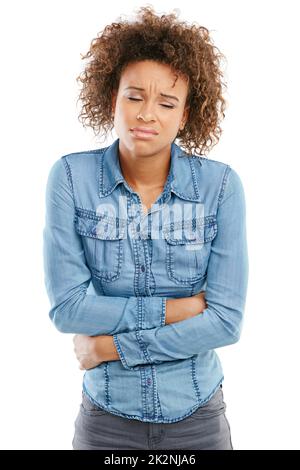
[[99, 225], [192, 231]]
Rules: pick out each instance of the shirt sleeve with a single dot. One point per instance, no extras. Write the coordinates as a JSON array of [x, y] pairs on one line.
[[67, 276], [221, 322]]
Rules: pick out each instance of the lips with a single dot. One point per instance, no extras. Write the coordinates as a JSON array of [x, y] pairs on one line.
[[144, 130], [138, 134]]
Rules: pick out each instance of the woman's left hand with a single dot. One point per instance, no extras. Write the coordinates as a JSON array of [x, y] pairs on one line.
[[86, 351]]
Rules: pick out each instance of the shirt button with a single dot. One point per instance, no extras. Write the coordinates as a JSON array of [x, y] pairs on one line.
[[138, 227], [149, 382], [142, 268]]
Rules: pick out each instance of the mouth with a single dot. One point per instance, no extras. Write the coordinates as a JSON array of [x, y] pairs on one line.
[[142, 134]]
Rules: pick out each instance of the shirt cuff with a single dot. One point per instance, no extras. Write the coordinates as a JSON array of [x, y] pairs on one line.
[[154, 312], [130, 345], [131, 349]]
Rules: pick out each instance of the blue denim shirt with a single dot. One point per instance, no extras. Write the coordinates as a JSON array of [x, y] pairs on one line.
[[110, 268]]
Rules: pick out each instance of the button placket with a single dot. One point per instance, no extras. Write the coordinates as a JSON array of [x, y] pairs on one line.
[[149, 394]]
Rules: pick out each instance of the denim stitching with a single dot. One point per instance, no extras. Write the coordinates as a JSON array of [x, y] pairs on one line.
[[106, 375], [194, 178], [94, 402], [69, 175], [141, 321], [135, 252], [152, 283], [184, 196], [103, 277], [205, 223], [93, 215], [144, 390], [159, 415], [194, 378], [147, 263], [163, 312], [142, 346], [165, 420], [122, 357], [90, 234], [100, 174], [109, 277], [82, 152], [136, 268], [211, 223], [155, 394], [171, 273], [207, 220], [223, 184], [103, 192]]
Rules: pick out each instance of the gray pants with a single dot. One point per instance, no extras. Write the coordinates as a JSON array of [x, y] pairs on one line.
[[205, 429]]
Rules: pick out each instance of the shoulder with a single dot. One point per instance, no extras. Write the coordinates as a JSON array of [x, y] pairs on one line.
[[219, 177], [209, 167], [231, 176], [82, 157], [77, 165], [211, 175], [76, 158]]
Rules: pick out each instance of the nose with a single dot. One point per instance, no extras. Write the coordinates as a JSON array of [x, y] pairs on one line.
[[146, 112]]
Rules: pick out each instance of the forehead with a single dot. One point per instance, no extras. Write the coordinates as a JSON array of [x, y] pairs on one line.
[[151, 72]]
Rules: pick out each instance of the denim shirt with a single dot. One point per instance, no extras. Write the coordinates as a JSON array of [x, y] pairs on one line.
[[110, 268]]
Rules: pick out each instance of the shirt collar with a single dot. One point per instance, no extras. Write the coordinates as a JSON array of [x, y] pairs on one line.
[[181, 179]]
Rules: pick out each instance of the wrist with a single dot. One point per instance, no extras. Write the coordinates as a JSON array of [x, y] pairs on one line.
[[170, 311], [106, 349], [176, 310]]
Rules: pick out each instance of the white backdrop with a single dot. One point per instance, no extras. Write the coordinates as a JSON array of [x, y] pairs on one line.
[[41, 43]]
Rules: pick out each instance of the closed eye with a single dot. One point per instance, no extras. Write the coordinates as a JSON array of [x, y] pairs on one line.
[[165, 105]]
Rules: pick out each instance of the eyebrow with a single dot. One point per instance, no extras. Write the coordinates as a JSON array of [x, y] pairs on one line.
[[162, 94]]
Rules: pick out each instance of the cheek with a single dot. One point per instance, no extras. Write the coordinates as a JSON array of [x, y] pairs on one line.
[[171, 126], [121, 114], [172, 120], [123, 119], [123, 110]]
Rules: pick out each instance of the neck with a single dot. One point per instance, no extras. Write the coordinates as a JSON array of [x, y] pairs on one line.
[[145, 172]]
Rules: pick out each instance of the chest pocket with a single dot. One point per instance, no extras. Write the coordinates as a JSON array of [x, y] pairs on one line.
[[102, 238], [188, 248]]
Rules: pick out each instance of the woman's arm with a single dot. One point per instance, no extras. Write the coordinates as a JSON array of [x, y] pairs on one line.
[[177, 310], [92, 350], [185, 307], [67, 277], [227, 278]]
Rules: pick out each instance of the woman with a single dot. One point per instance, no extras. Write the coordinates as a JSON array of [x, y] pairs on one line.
[[158, 232]]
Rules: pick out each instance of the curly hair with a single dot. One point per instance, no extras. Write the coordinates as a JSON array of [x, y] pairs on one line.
[[189, 50]]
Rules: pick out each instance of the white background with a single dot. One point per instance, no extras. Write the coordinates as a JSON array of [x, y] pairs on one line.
[[41, 43]]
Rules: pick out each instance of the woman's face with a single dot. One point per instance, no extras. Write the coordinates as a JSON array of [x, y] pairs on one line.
[[164, 114]]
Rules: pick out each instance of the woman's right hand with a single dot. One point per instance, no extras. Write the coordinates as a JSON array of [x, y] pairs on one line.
[[185, 307]]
